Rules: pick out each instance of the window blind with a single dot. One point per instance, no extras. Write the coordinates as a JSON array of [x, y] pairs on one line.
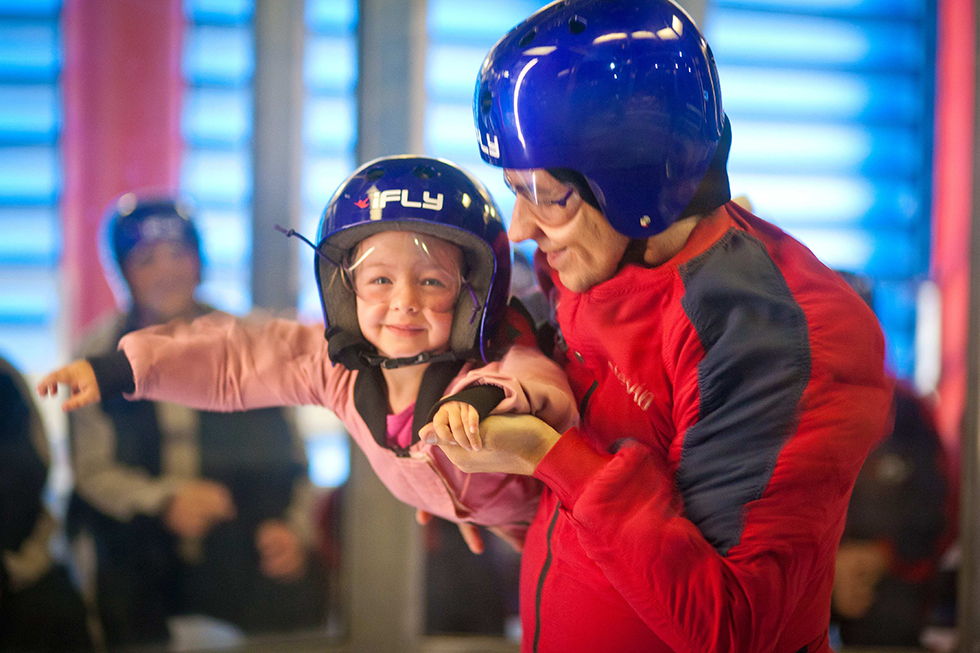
[[30, 183], [460, 35], [218, 65], [329, 138], [831, 109]]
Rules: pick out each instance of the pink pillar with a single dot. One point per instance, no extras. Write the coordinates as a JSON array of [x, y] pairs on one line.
[[952, 204], [122, 97]]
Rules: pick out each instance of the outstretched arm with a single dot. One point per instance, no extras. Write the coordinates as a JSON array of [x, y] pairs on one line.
[[216, 362]]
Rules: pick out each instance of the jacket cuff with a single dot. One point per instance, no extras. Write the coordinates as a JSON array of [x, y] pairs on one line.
[[113, 374], [569, 465], [482, 397]]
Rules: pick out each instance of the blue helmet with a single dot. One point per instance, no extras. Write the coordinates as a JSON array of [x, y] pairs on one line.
[[134, 219], [624, 92], [131, 221], [428, 196]]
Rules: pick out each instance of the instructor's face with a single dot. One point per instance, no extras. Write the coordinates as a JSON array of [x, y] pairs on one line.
[[583, 247]]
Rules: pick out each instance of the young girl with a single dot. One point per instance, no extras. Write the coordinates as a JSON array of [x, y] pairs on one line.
[[414, 273]]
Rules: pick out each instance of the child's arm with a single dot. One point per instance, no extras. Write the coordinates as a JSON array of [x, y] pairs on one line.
[[528, 383], [215, 363], [523, 381]]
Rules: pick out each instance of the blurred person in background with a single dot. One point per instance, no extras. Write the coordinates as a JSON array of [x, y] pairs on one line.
[[176, 511], [40, 609], [900, 520]]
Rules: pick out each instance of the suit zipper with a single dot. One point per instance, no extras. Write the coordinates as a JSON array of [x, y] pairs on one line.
[[541, 577], [551, 529], [584, 404]]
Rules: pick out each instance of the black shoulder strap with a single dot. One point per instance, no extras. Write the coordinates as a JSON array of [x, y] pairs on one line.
[[371, 399], [371, 402]]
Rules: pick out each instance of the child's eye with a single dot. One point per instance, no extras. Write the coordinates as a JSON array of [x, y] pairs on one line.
[[379, 281], [432, 282]]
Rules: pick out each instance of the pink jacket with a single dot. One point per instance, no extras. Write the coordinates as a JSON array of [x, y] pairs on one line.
[[221, 363]]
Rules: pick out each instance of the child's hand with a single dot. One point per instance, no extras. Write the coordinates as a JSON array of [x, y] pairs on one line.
[[80, 379], [459, 422]]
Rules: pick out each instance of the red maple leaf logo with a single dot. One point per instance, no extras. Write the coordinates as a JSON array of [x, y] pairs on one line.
[[363, 203]]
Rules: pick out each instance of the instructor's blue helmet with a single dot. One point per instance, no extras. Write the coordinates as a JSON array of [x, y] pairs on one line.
[[624, 92], [428, 196]]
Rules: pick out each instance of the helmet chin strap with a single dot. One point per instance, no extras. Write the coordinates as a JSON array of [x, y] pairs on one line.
[[425, 357], [355, 354]]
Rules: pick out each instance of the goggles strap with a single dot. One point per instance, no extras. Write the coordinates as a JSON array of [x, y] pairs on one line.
[[476, 302], [333, 256]]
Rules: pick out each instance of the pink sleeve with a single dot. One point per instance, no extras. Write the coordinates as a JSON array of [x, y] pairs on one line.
[[221, 363], [532, 383]]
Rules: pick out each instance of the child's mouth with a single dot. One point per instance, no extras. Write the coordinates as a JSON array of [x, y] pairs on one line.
[[405, 329]]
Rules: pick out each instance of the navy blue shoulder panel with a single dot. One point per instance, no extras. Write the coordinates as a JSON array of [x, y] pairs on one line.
[[755, 368]]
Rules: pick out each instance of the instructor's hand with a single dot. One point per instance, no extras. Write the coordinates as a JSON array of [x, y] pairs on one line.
[[80, 379], [512, 444]]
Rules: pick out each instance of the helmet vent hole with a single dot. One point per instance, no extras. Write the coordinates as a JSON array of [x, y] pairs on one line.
[[486, 100], [527, 38], [424, 172], [374, 174], [577, 24]]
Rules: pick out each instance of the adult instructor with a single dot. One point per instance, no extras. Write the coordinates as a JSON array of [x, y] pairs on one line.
[[730, 385]]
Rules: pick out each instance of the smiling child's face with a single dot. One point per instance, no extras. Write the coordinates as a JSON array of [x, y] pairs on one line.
[[406, 286]]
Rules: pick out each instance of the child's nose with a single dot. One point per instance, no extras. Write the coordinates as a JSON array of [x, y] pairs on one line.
[[405, 296]]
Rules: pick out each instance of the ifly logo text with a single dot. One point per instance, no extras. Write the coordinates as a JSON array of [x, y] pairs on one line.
[[381, 199]]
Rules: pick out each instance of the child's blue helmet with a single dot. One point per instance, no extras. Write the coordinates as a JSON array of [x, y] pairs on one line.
[[625, 92], [428, 196]]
